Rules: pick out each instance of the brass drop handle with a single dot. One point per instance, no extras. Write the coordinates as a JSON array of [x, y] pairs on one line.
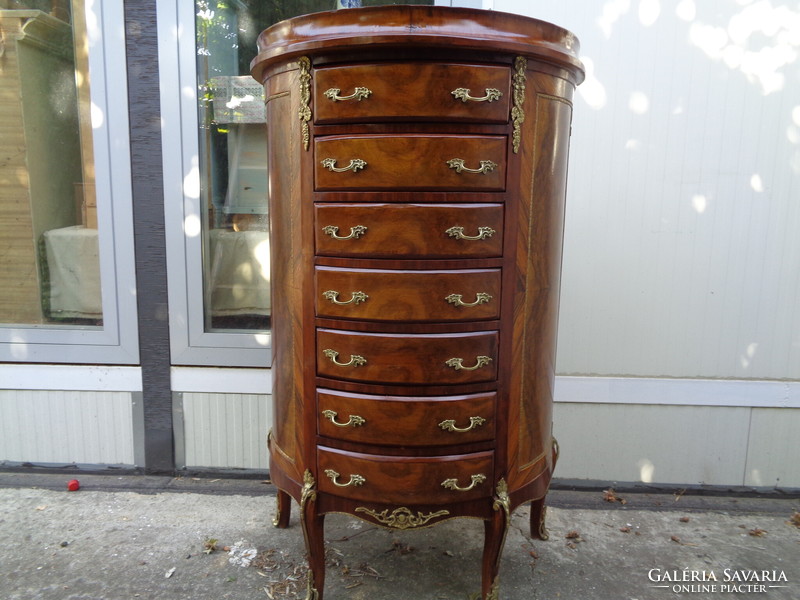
[[358, 94], [355, 297], [355, 232], [458, 233], [353, 421], [355, 359], [356, 164], [355, 480], [450, 425], [480, 298], [457, 363], [462, 94], [459, 164], [452, 484]]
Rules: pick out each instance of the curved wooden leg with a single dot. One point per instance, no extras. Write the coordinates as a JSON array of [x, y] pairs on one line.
[[284, 510], [315, 545], [494, 540], [538, 512], [313, 531]]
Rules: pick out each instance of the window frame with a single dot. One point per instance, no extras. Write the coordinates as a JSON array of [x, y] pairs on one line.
[[116, 341], [190, 343]]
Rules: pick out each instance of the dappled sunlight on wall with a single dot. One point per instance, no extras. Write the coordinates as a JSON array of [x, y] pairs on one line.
[[681, 250], [591, 90], [760, 41], [646, 470]]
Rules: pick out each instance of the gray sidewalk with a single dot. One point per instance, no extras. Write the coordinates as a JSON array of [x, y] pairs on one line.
[[144, 537]]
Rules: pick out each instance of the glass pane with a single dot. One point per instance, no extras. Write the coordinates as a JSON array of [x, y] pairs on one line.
[[233, 176], [49, 262]]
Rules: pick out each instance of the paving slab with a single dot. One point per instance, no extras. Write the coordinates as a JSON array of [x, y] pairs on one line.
[[146, 537]]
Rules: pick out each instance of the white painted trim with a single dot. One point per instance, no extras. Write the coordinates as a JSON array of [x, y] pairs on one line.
[[221, 380], [678, 392], [592, 390], [95, 378]]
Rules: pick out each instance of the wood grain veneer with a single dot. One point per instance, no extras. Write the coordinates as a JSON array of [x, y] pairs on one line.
[[394, 402]]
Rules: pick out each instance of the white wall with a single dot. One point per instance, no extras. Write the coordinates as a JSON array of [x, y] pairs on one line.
[[681, 258], [57, 427], [224, 430], [678, 445], [71, 414], [682, 253]]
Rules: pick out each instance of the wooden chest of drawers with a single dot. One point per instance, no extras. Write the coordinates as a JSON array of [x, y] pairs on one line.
[[417, 161]]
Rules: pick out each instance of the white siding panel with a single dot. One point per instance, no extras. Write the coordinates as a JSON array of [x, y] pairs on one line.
[[652, 444], [226, 430], [697, 392], [773, 456], [681, 254], [66, 427]]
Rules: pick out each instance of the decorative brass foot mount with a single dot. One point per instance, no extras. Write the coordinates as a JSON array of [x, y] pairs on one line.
[[311, 590]]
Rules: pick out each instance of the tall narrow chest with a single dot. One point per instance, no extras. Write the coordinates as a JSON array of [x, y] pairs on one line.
[[417, 173]]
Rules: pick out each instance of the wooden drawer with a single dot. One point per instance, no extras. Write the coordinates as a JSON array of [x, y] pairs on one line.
[[451, 358], [410, 162], [406, 420], [402, 480], [409, 230], [418, 91], [383, 295]]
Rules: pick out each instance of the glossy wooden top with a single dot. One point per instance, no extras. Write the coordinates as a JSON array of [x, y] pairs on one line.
[[417, 26]]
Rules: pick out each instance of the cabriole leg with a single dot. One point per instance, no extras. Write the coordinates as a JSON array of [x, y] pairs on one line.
[[496, 529], [313, 531], [284, 510], [538, 512]]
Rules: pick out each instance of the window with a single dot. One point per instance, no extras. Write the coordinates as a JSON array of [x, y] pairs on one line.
[[215, 176], [233, 166], [65, 234]]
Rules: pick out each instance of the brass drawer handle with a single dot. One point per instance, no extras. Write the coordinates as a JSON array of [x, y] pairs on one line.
[[355, 480], [358, 94], [458, 164], [480, 298], [355, 232], [356, 164], [355, 297], [450, 425], [462, 94], [452, 484], [458, 233], [457, 363], [355, 359], [353, 421]]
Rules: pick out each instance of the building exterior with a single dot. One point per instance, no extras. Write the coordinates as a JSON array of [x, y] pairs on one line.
[[134, 260]]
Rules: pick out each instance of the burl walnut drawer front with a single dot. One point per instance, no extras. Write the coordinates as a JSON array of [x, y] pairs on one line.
[[410, 162], [384, 295], [401, 480], [405, 91], [409, 230], [407, 359], [406, 420]]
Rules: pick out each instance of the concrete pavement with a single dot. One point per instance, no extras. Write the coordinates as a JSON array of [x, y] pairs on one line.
[[146, 537]]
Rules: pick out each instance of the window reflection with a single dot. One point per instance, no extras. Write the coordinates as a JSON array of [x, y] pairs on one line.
[[233, 160], [49, 262], [233, 178]]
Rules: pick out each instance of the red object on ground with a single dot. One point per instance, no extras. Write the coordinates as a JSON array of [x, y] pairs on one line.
[[74, 485]]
